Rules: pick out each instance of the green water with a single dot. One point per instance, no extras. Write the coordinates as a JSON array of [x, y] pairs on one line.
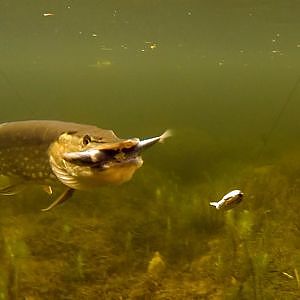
[[222, 75]]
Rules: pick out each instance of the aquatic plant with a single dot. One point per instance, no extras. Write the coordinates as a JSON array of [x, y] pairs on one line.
[[101, 246]]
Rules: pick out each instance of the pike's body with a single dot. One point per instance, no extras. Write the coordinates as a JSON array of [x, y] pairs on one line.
[[24, 148], [78, 156]]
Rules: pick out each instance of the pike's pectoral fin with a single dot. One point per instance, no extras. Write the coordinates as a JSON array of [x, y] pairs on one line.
[[48, 189], [12, 189], [62, 198]]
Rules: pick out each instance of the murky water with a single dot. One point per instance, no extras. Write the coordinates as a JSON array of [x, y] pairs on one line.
[[225, 77]]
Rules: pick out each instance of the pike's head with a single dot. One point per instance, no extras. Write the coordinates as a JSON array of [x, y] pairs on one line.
[[82, 160]]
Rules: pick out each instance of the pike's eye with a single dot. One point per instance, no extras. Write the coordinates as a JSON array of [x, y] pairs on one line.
[[86, 140]]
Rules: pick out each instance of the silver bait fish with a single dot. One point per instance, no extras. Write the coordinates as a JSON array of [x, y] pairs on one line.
[[229, 201], [78, 156]]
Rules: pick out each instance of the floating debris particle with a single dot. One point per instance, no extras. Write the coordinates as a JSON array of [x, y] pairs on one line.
[[48, 14], [101, 64], [104, 48], [151, 45], [287, 275]]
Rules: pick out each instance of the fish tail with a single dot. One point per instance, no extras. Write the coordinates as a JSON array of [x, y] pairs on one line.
[[168, 133]]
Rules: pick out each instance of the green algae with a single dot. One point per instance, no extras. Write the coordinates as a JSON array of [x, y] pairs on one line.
[[100, 244]]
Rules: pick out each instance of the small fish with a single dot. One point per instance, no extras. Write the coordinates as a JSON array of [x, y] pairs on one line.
[[77, 156], [229, 201]]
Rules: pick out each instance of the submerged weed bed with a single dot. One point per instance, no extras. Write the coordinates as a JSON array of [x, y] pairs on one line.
[[100, 244]]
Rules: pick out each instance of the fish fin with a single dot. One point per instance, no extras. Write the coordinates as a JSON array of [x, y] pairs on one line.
[[61, 172], [168, 133], [48, 189], [61, 198], [12, 189]]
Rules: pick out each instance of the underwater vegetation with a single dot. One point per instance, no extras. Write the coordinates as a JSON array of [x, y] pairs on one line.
[[158, 238]]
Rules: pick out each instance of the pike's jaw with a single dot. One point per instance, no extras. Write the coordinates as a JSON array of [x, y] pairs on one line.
[[87, 177], [117, 172]]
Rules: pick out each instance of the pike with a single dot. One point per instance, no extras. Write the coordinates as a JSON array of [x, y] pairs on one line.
[[78, 156]]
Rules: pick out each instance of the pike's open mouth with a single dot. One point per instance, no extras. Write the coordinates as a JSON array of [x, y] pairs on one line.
[[119, 157], [104, 159]]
